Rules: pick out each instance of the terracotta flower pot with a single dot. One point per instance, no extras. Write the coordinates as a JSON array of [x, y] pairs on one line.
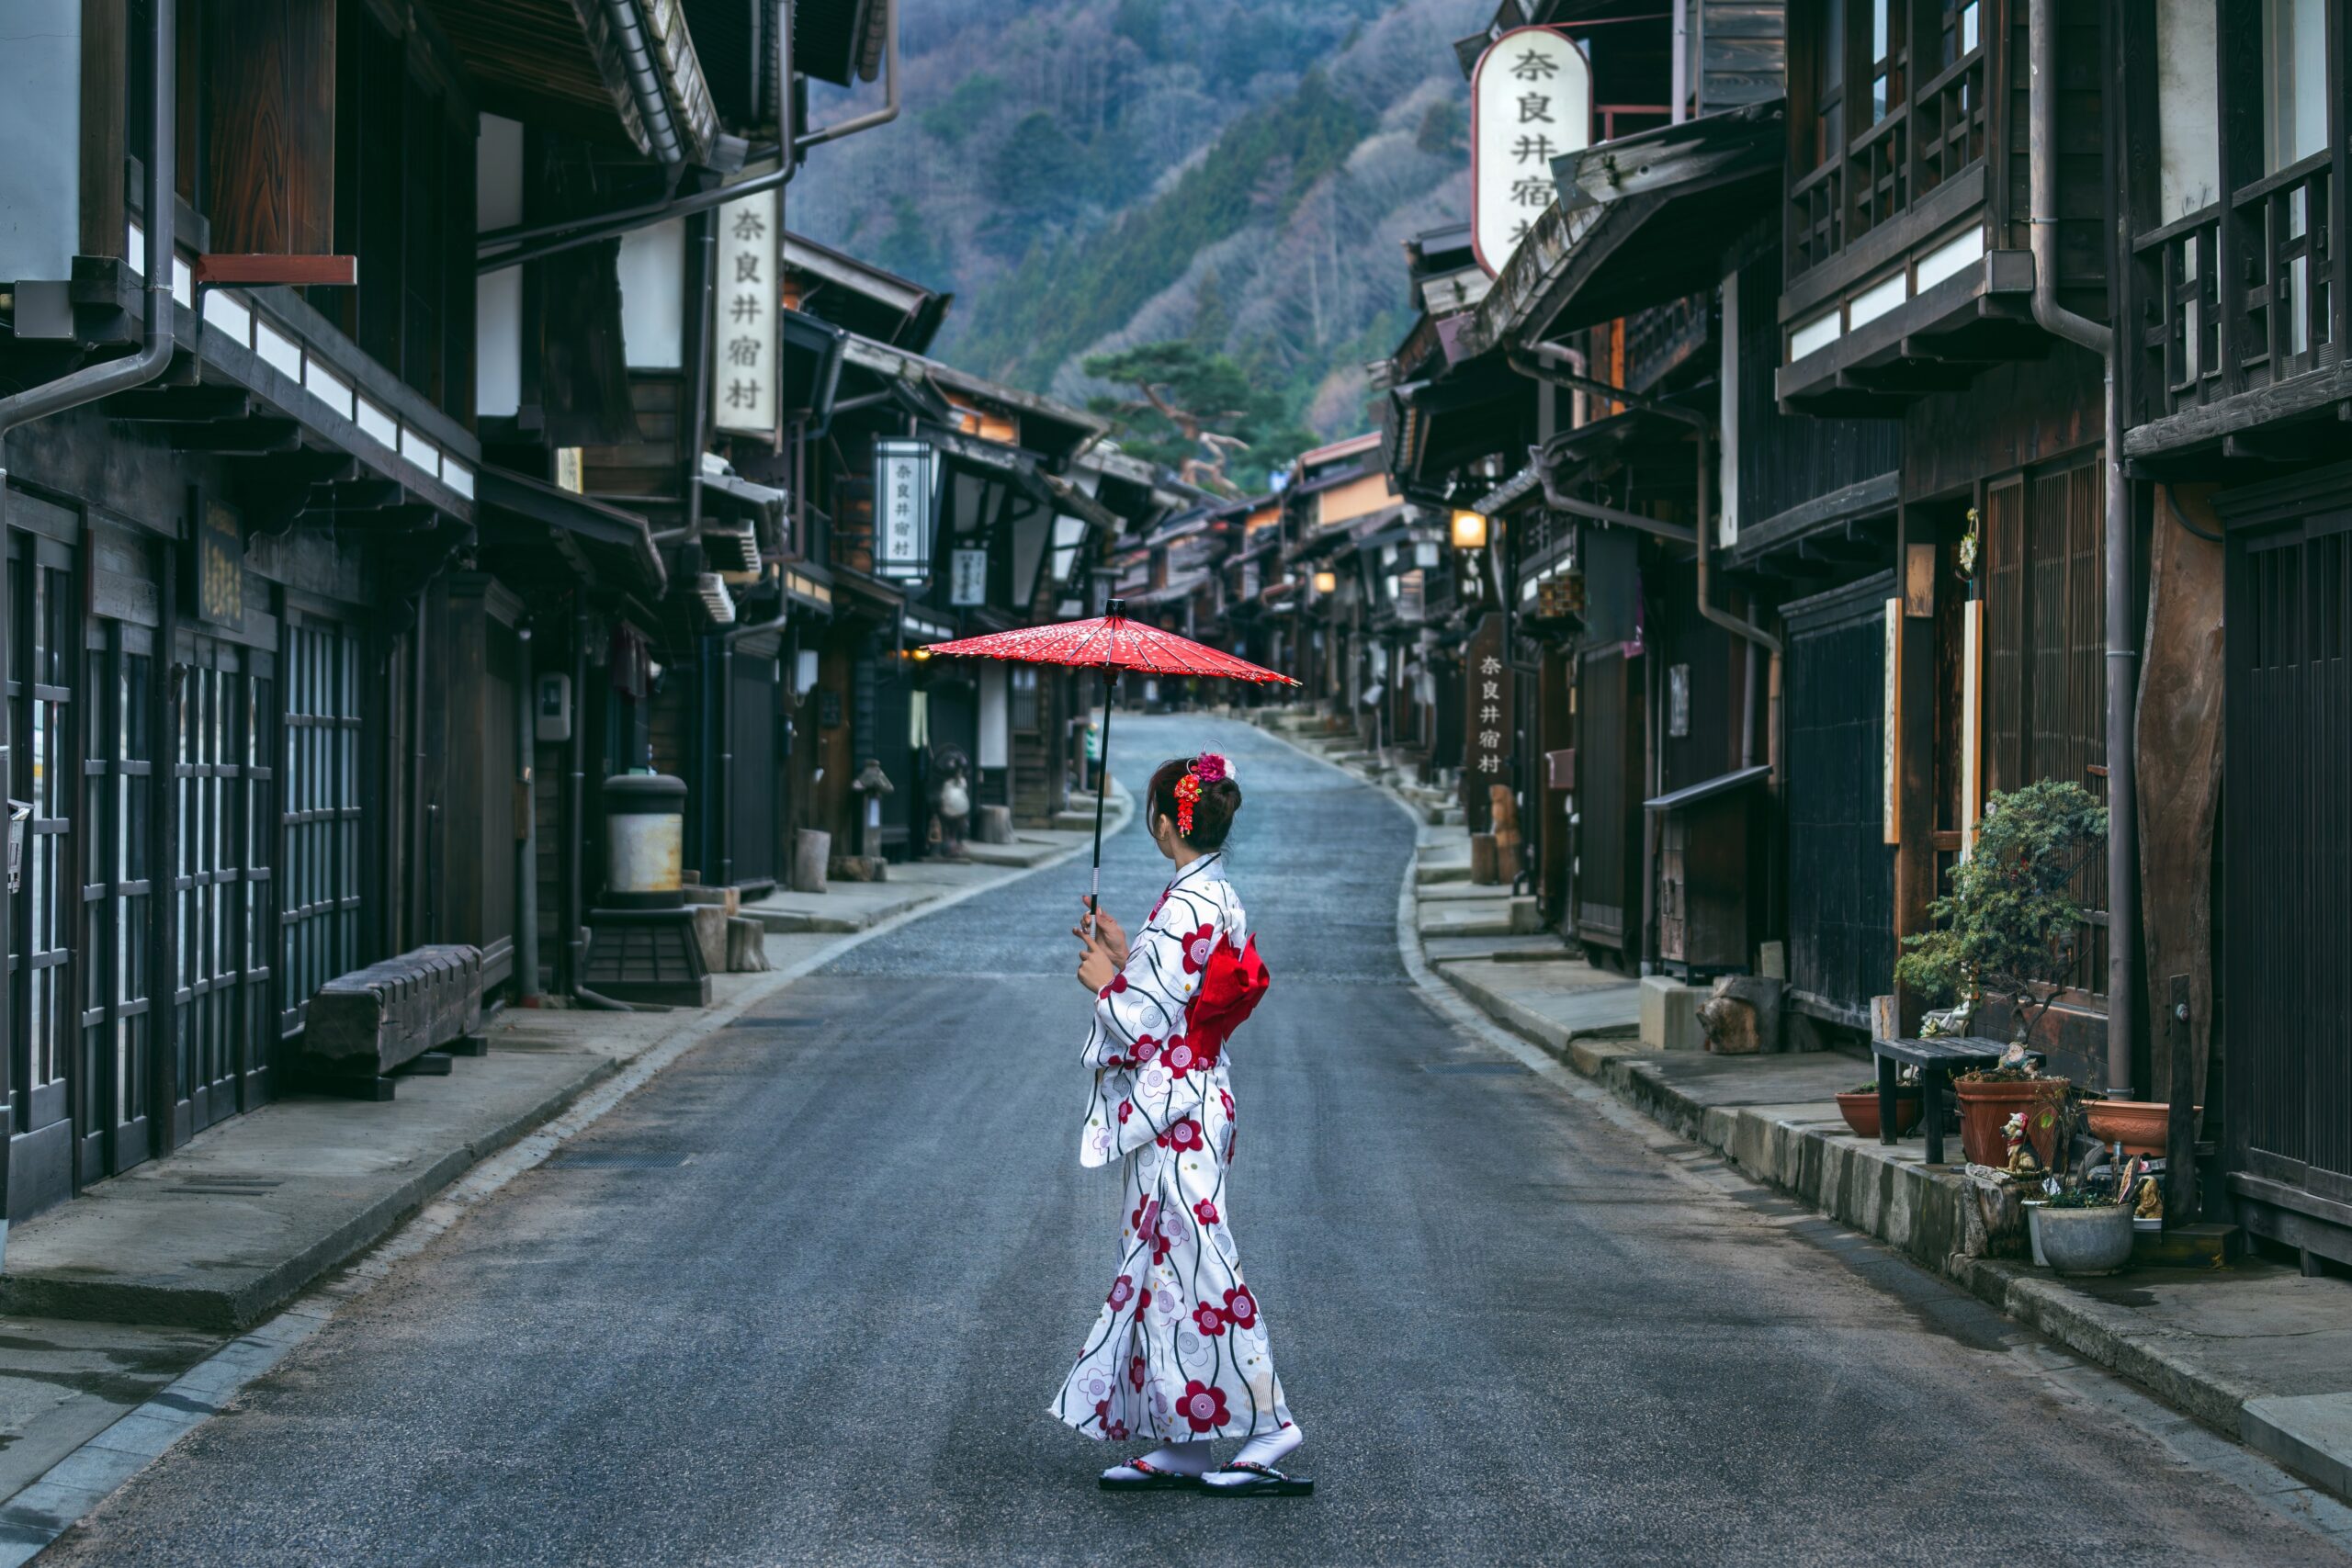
[[2139, 1126], [1985, 1108], [1860, 1112]]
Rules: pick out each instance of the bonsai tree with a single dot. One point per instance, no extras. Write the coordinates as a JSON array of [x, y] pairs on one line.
[[2010, 923]]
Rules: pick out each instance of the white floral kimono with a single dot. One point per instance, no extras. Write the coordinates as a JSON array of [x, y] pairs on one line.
[[1179, 1351]]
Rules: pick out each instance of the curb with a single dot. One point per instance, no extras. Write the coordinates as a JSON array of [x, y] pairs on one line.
[[1929, 1218], [233, 1309]]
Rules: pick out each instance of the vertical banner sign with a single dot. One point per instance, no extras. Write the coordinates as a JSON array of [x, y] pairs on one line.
[[745, 356], [1890, 792], [1531, 101], [967, 581], [1486, 714], [902, 509], [1971, 728], [218, 583]]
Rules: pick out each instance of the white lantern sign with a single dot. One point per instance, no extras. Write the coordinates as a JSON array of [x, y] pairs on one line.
[[903, 509], [745, 353], [1531, 101]]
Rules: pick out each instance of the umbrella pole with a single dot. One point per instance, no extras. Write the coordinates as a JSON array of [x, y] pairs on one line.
[[1101, 790]]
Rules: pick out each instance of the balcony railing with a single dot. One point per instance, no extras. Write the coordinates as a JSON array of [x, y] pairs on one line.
[[2240, 295], [1918, 145]]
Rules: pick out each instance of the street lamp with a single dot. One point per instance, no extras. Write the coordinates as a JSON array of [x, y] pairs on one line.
[[1327, 582], [1469, 530]]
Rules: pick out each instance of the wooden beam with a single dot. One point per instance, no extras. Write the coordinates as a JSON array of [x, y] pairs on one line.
[[179, 405], [249, 437], [260, 270]]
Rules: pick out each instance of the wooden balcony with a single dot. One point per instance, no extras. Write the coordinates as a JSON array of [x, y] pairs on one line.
[[2241, 320], [261, 376], [1904, 274]]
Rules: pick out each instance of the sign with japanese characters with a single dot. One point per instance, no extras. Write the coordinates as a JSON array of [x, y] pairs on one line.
[[745, 353], [1530, 100], [967, 581], [1486, 721], [903, 509]]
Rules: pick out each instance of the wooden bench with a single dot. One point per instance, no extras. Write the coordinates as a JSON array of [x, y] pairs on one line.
[[404, 1012], [1939, 1062]]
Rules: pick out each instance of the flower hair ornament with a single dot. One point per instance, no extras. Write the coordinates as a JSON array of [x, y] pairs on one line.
[[1206, 768]]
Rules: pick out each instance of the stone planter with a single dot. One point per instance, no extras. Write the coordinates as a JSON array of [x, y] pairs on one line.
[[2086, 1241], [1985, 1108], [1860, 1112], [2034, 1207]]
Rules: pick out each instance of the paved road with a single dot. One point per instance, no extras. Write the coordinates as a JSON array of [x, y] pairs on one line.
[[804, 1300]]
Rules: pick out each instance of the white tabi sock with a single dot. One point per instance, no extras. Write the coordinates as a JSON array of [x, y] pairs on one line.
[[1176, 1459], [1269, 1449]]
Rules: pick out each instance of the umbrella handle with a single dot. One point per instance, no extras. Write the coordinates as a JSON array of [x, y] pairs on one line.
[[1102, 793]]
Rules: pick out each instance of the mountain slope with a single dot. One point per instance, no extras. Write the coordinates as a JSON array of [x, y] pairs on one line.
[[1089, 175]]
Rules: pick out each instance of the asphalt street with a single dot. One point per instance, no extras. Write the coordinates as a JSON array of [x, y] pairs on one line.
[[804, 1298]]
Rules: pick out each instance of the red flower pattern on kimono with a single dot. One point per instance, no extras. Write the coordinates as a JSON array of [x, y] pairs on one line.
[[1179, 1324], [1202, 1405]]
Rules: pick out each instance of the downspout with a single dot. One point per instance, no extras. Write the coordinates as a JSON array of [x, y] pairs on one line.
[[575, 838], [1542, 369], [95, 381], [526, 889], [645, 83], [703, 246], [154, 353], [2123, 787]]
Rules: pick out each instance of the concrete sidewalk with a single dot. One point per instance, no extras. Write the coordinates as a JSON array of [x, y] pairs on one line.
[[112, 1296], [2251, 1348]]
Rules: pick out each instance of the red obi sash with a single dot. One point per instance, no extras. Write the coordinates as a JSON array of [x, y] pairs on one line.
[[1231, 989]]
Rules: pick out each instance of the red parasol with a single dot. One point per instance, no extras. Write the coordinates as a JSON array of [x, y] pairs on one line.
[[1110, 643]]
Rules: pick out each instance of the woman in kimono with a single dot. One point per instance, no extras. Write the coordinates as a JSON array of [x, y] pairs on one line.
[[1179, 1352]]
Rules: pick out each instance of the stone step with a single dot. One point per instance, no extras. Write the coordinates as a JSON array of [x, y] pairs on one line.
[[2310, 1434]]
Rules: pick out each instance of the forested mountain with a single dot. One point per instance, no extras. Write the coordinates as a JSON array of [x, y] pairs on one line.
[[1090, 175]]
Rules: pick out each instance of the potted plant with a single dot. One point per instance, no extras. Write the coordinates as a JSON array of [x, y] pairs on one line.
[[2011, 926], [2083, 1231], [1859, 1106]]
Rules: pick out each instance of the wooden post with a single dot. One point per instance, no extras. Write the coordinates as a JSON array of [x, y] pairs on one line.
[[1912, 751]]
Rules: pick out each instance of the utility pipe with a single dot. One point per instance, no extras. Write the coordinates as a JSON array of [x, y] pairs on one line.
[[575, 838], [158, 220], [526, 882], [2122, 657], [1541, 368]]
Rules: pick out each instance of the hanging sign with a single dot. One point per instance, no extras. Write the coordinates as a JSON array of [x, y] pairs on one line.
[[1531, 101], [218, 582], [1487, 724], [967, 581], [903, 509], [745, 356]]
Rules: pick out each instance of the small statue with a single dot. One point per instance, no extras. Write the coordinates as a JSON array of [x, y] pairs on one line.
[[1945, 1022], [2023, 1162], [2148, 1200]]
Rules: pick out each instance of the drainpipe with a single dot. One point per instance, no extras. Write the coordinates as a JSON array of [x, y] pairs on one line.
[[154, 353], [1541, 366], [156, 345], [526, 888], [703, 247], [2123, 787], [644, 83], [575, 838]]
